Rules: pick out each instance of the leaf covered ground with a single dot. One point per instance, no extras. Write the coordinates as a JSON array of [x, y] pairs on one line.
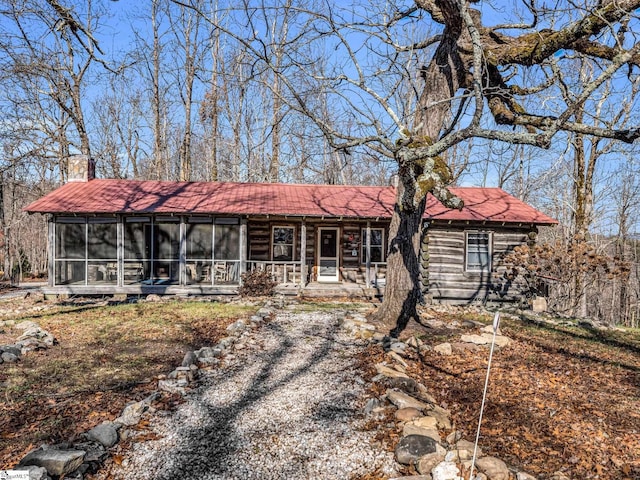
[[561, 398], [107, 355]]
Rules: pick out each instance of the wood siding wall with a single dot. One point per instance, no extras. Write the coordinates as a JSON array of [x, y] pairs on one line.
[[352, 268], [443, 261]]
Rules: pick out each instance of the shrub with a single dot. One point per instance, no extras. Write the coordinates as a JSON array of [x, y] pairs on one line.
[[257, 283]]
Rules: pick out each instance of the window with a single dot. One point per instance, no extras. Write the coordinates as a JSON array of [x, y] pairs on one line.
[[102, 251], [376, 247], [283, 243], [166, 250], [86, 251], [478, 252], [137, 250], [70, 251], [199, 238], [213, 251]]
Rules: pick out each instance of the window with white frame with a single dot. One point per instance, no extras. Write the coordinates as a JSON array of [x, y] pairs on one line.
[[283, 243], [376, 245], [478, 251]]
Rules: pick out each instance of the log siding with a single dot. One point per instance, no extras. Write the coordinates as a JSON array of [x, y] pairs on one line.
[[445, 278]]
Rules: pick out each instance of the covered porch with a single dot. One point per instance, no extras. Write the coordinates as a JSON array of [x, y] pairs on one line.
[[201, 254]]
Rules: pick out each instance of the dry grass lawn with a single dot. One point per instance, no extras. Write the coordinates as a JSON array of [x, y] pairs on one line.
[[107, 355]]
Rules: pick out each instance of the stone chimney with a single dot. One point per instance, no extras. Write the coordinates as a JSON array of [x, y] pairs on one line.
[[80, 168], [394, 181]]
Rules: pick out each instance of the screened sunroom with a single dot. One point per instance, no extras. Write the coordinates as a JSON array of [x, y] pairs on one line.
[[154, 250]]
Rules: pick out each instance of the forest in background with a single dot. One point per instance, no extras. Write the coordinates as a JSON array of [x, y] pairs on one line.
[[155, 91]]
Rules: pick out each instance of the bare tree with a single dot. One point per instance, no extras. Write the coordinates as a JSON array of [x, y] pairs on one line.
[[48, 51], [477, 84]]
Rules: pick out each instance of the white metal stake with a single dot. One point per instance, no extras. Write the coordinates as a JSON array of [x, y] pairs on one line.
[[496, 324]]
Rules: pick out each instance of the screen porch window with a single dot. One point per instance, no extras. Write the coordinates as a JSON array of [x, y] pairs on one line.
[[166, 250], [102, 251], [376, 245], [283, 243], [86, 251], [478, 254], [137, 250], [70, 251], [213, 251]]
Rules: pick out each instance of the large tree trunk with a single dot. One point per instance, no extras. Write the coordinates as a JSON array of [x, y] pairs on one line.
[[403, 291], [417, 178]]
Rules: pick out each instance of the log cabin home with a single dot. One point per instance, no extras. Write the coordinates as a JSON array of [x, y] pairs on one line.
[[197, 238]]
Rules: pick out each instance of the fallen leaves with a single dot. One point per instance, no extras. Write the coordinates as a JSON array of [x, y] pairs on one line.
[[559, 398]]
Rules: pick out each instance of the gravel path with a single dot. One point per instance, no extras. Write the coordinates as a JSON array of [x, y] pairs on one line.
[[288, 405]]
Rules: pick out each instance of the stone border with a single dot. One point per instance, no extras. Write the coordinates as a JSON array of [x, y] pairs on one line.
[[74, 460], [423, 420], [33, 338]]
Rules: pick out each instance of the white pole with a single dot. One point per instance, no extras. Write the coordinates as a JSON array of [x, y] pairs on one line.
[[496, 324]]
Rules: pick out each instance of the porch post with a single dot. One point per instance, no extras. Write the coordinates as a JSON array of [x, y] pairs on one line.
[[303, 254], [51, 247], [368, 254], [120, 250], [182, 267], [243, 247]]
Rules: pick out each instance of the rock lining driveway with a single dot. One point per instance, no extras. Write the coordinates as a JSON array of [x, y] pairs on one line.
[[287, 403]]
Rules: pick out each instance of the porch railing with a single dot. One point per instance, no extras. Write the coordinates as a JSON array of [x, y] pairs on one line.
[[282, 272]]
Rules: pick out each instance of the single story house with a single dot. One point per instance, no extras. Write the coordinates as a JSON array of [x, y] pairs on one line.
[[139, 237]]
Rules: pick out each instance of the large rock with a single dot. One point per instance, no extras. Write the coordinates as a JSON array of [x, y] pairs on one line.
[[237, 326], [427, 462], [426, 422], [95, 452], [405, 384], [11, 349], [208, 355], [493, 467], [442, 418], [539, 304], [105, 434], [412, 447], [413, 477], [476, 339], [407, 414], [38, 334], [56, 462], [501, 341], [402, 400], [446, 471], [132, 413], [411, 429], [26, 325], [9, 357], [30, 345], [443, 349], [390, 372], [524, 476], [189, 359], [465, 450]]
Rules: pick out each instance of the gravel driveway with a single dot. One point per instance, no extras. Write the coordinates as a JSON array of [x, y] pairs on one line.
[[286, 405]]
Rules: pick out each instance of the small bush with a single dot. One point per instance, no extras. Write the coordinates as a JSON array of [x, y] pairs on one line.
[[257, 283]]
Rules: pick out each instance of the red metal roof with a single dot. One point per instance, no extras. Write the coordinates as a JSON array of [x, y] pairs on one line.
[[226, 198]]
